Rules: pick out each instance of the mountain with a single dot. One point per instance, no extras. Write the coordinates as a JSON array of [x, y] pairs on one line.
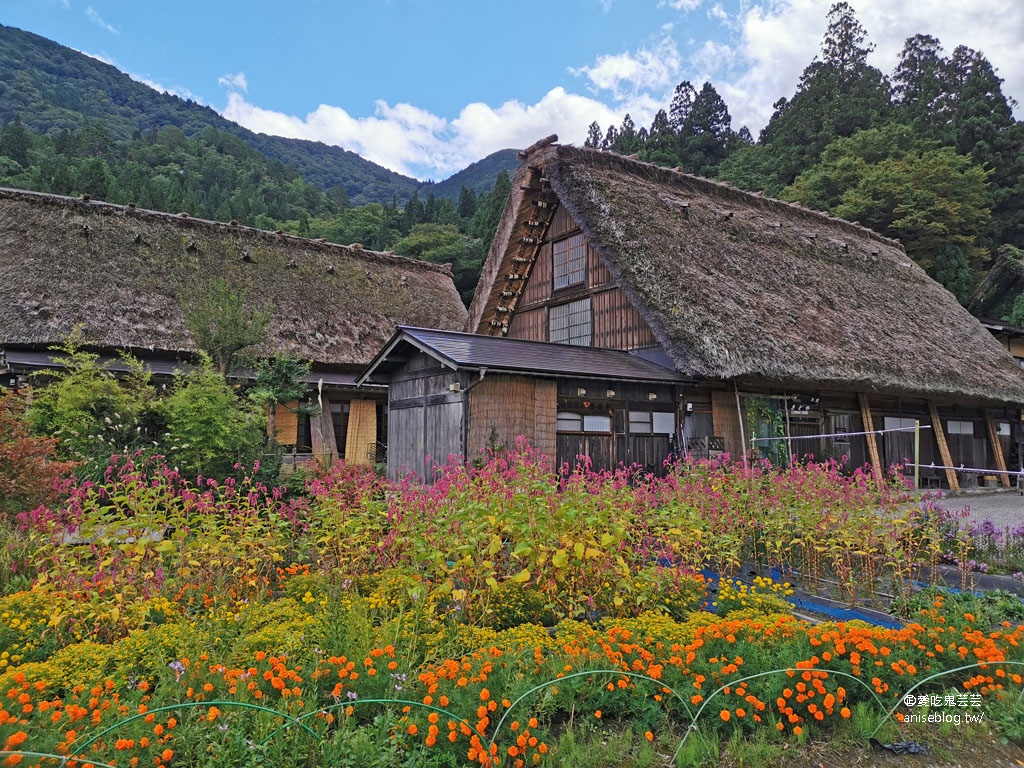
[[478, 177], [52, 88]]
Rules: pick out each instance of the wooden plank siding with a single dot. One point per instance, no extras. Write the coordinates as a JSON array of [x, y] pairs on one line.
[[562, 224], [424, 418], [598, 275], [531, 324], [617, 324], [538, 287]]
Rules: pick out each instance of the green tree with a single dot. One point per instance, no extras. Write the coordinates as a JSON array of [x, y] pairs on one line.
[[15, 141], [209, 428], [594, 136], [278, 382], [93, 413], [660, 147], [919, 86], [933, 199], [706, 138], [222, 322], [838, 95], [444, 244]]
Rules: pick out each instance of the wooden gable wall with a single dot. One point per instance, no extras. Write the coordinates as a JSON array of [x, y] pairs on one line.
[[615, 322]]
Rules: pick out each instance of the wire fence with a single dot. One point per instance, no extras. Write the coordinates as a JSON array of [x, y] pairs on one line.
[[78, 749]]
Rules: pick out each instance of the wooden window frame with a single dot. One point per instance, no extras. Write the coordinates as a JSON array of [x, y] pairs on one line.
[[582, 425], [576, 331], [568, 261]]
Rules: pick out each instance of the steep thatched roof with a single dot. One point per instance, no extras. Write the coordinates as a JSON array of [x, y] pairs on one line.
[[121, 273], [744, 288], [1003, 284]]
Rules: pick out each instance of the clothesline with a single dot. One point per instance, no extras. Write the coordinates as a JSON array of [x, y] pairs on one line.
[[976, 470], [841, 434]]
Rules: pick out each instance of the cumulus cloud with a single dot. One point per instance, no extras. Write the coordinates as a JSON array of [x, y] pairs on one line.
[[626, 75], [98, 20], [755, 57], [235, 82], [415, 142], [778, 40]]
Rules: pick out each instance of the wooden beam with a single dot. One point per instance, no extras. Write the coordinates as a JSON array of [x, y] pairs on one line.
[[944, 454], [997, 449], [869, 427]]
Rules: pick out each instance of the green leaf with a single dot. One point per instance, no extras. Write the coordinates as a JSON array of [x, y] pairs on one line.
[[495, 546], [560, 559], [521, 577], [522, 550]]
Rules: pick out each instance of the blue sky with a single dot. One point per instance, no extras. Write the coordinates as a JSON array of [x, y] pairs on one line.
[[425, 87]]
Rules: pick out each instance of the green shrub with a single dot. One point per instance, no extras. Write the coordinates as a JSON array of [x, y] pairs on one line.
[[209, 428]]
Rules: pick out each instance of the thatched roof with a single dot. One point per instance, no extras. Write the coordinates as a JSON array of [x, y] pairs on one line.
[[1003, 284], [743, 288], [121, 273]]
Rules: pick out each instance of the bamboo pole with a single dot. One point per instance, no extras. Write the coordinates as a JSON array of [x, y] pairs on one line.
[[869, 437], [944, 454], [997, 449]]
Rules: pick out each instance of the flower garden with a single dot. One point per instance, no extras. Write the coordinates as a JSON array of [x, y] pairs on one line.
[[504, 615]]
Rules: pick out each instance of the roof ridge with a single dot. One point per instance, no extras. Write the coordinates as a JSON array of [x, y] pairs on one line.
[[88, 205], [721, 189]]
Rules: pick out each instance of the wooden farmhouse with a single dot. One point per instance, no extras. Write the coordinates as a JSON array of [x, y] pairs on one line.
[[121, 274], [628, 312]]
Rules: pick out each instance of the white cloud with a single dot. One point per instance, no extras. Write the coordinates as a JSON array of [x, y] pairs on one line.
[[174, 90], [755, 57], [96, 19], [680, 5], [415, 142], [235, 82], [779, 39], [626, 75]]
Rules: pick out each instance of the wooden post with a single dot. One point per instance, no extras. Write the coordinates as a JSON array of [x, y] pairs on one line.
[[944, 454], [917, 454], [997, 449], [869, 427], [743, 435]]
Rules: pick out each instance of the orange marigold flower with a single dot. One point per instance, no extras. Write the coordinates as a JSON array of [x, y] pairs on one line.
[[725, 714], [15, 739], [597, 714], [648, 735], [485, 695], [166, 755], [413, 729]]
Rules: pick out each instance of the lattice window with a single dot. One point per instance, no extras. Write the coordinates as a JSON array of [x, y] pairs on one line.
[[570, 261], [570, 323]]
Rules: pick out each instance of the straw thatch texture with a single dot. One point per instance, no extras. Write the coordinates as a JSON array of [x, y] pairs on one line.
[[743, 288], [121, 273]]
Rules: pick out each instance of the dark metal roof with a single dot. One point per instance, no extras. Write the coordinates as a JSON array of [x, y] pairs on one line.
[[36, 359], [497, 354]]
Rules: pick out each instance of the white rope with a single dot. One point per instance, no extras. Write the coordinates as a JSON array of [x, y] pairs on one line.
[[841, 434], [962, 468]]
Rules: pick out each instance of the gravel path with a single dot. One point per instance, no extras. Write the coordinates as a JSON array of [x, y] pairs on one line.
[[1004, 508]]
